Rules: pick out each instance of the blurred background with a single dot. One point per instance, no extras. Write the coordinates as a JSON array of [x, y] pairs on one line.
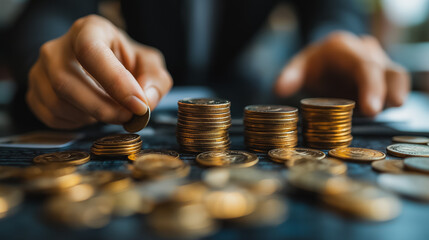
[[401, 26]]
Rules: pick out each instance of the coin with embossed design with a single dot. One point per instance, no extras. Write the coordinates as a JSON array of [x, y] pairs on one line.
[[357, 154]]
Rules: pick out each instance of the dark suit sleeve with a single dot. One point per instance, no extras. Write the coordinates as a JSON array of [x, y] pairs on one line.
[[40, 21], [317, 18]]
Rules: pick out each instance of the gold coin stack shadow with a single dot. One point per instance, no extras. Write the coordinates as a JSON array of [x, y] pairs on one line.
[[117, 145], [270, 126], [202, 124], [327, 122]]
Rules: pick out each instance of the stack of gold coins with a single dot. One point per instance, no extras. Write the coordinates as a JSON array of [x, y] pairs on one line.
[[327, 122], [117, 145], [202, 124], [270, 126]]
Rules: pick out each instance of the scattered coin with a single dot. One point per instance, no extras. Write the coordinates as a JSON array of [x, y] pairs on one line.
[[137, 122], [10, 197], [389, 166], [65, 157], [408, 150], [229, 158], [411, 139], [410, 185], [182, 220], [282, 155], [367, 202], [419, 164], [320, 182], [327, 122], [229, 203], [156, 166], [270, 126], [108, 181], [269, 211], [329, 165], [94, 212], [117, 145], [357, 154], [172, 153], [256, 181], [202, 124]]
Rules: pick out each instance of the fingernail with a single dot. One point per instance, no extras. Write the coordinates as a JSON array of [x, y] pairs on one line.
[[152, 95], [136, 105], [376, 104]]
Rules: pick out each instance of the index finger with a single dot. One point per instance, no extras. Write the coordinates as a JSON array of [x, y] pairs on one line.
[[92, 49]]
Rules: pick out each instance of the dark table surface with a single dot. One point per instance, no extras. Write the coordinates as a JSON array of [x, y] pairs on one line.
[[307, 218]]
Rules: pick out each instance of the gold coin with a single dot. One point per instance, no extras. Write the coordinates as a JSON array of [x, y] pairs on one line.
[[118, 139], [282, 155], [229, 158], [367, 202], [10, 197], [187, 220], [410, 185], [51, 184], [411, 139], [330, 165], [256, 181], [269, 211], [137, 123], [159, 166], [115, 154], [181, 114], [389, 166], [94, 212], [65, 157], [408, 150], [229, 203], [270, 110], [327, 103], [171, 153], [107, 180], [321, 182], [419, 164], [357, 154], [118, 146], [204, 102]]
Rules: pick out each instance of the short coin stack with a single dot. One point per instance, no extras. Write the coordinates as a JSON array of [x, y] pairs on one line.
[[327, 122], [270, 126], [117, 145], [202, 124]]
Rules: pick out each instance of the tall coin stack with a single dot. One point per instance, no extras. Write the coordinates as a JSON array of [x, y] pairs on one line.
[[270, 126], [202, 124], [327, 122]]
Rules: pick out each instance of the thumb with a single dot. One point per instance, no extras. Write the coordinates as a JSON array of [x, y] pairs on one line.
[[292, 77]]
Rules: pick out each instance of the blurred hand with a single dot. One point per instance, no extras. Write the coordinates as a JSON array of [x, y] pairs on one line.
[[94, 73], [344, 65]]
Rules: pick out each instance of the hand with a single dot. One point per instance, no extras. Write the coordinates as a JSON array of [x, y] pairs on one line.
[[94, 73], [344, 65]]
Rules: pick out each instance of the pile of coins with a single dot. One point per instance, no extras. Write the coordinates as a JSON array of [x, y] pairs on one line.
[[242, 196], [202, 124], [270, 126], [117, 145], [327, 122], [325, 179]]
